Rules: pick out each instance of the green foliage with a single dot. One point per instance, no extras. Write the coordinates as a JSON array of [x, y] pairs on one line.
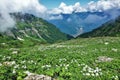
[[33, 30], [37, 28], [62, 61]]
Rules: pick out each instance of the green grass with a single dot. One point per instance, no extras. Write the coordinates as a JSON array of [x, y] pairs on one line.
[[65, 60]]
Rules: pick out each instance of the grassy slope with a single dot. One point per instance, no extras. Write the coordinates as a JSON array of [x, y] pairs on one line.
[[29, 26], [111, 28], [64, 61]]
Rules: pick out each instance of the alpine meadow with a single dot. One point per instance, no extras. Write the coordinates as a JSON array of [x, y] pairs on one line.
[[60, 40]]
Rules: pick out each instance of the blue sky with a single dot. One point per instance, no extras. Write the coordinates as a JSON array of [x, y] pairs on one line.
[[55, 3]]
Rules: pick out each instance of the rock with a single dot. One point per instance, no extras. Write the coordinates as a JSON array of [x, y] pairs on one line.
[[14, 52], [104, 59], [20, 39], [32, 76], [115, 50], [7, 63]]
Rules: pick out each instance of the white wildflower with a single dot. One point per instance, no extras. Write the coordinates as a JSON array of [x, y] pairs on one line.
[[13, 71], [28, 73], [90, 71], [46, 66], [0, 64], [66, 66], [4, 58], [87, 74], [92, 74], [35, 63], [16, 66], [14, 52], [23, 62], [8, 57], [3, 43], [13, 62], [24, 66], [106, 43], [115, 50], [96, 74], [115, 77]]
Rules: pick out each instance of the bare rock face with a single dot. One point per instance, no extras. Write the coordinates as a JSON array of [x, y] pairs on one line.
[[32, 76], [104, 59]]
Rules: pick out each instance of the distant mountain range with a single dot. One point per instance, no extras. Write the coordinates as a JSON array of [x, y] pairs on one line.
[[33, 28], [72, 23], [111, 28]]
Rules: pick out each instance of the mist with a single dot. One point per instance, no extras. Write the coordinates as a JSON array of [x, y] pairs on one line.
[[13, 6]]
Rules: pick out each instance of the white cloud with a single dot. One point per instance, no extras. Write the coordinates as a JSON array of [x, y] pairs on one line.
[[78, 8], [56, 17], [29, 6], [103, 5], [24, 6], [55, 11], [68, 9], [99, 6], [6, 22]]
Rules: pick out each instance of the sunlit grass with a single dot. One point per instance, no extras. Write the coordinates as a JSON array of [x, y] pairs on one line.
[[76, 59]]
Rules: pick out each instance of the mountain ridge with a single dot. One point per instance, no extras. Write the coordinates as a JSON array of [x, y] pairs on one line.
[[33, 28], [110, 28]]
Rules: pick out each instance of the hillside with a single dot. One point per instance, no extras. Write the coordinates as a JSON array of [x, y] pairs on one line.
[[79, 59], [111, 28], [29, 27]]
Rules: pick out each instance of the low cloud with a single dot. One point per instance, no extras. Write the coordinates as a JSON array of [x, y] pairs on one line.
[[103, 5], [23, 6], [67, 9], [110, 7], [6, 22], [99, 6], [56, 17]]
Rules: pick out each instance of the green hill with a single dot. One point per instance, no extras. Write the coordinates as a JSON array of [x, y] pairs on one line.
[[31, 30], [79, 59], [111, 28]]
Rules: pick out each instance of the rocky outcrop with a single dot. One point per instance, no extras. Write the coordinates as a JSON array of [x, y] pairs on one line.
[[104, 59], [33, 76]]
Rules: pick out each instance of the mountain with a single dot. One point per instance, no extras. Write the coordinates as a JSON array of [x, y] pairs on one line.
[[111, 28], [29, 27], [71, 23]]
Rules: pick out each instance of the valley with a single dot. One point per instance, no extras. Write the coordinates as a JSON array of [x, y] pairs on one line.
[[37, 50]]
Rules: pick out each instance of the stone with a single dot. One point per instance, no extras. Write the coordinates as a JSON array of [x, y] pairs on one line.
[[32, 76], [104, 59]]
